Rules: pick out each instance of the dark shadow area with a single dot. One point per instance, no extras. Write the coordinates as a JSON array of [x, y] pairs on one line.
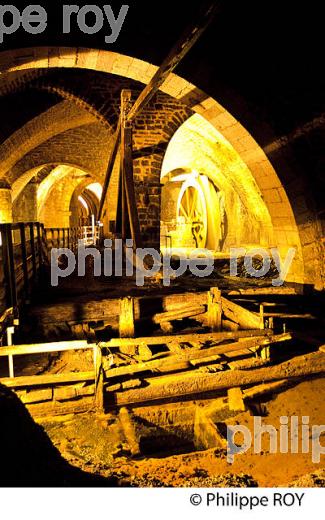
[[28, 457]]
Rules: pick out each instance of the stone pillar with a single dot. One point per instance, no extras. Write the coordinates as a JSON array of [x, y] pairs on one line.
[[5, 206], [25, 205]]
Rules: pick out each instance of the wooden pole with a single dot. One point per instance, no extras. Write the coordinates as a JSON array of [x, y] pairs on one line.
[[126, 324], [99, 379], [214, 309], [24, 259], [32, 245], [110, 166], [127, 168], [196, 383]]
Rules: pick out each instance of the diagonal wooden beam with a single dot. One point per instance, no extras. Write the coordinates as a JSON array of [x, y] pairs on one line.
[[178, 52], [110, 166], [127, 168]]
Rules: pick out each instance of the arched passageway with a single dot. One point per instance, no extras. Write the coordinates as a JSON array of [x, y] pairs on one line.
[[281, 215]]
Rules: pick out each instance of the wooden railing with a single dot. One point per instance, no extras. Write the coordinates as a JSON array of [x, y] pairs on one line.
[[22, 253], [61, 238], [24, 249]]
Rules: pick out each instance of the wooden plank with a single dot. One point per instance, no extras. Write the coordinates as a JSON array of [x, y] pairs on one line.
[[178, 52], [264, 291], [35, 396], [65, 393], [187, 338], [44, 348], [53, 408], [182, 360], [238, 314], [47, 380], [196, 383], [187, 312]]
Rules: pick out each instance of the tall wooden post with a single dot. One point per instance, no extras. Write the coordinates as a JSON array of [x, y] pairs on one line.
[[39, 245], [24, 259], [99, 379], [126, 323], [214, 309], [127, 168], [124, 209], [32, 245]]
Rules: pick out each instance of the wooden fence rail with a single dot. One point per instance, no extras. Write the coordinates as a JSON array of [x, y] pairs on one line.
[[25, 248]]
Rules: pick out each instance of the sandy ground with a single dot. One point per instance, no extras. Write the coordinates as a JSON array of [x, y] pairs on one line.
[[96, 445]]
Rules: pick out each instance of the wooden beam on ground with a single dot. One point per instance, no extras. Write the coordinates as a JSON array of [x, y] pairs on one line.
[[178, 314], [196, 383], [187, 338], [179, 51], [263, 291], [52, 408], [236, 313], [110, 166], [182, 360], [47, 380], [127, 168]]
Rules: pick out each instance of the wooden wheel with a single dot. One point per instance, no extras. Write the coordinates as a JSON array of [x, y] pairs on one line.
[[191, 207]]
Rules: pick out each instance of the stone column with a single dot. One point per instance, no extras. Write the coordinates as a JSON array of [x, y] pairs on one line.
[[5, 205]]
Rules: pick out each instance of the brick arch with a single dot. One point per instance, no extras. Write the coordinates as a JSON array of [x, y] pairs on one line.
[[55, 211], [84, 147], [78, 101], [59, 118], [284, 215]]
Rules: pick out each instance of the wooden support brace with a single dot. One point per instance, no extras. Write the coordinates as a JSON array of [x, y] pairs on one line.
[[126, 324], [129, 431], [236, 400], [99, 379], [214, 309]]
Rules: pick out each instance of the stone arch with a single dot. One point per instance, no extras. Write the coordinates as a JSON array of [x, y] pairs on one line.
[[59, 118], [56, 192], [84, 147], [274, 192]]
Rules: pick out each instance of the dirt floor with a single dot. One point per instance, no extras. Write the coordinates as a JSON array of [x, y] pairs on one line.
[[96, 445]]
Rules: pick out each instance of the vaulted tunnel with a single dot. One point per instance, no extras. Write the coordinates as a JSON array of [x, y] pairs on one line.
[[221, 155], [71, 126]]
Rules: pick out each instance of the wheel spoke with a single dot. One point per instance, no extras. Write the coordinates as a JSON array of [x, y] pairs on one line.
[[181, 207], [194, 204]]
